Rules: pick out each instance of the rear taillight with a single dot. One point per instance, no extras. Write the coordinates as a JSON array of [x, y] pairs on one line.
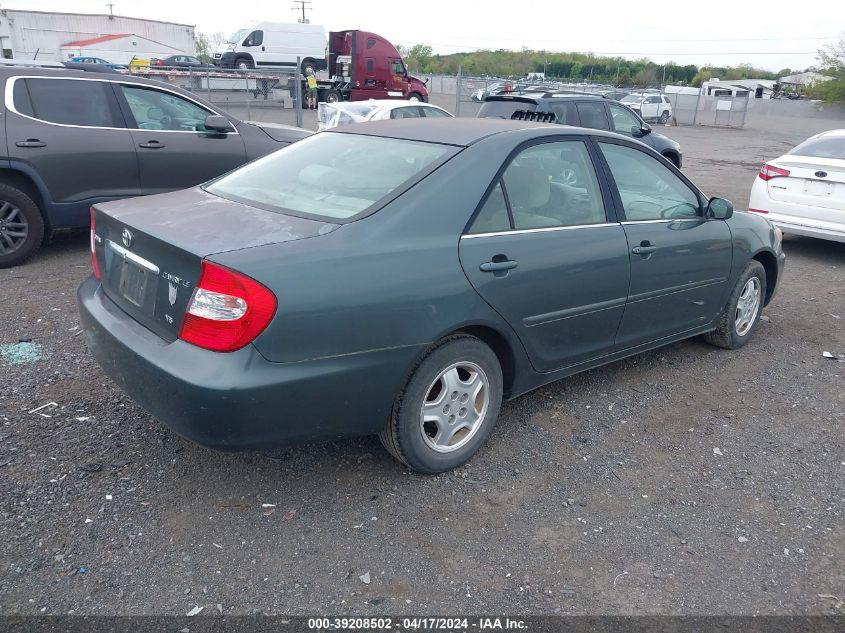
[[757, 211], [227, 310], [770, 171], [94, 263]]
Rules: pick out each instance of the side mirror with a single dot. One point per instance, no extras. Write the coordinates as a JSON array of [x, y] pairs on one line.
[[217, 123], [719, 209], [645, 129]]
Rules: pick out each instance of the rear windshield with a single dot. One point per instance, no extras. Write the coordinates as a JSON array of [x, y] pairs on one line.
[[504, 109], [824, 147], [331, 176]]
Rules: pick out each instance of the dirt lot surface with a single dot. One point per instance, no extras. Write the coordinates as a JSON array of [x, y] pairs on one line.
[[687, 480]]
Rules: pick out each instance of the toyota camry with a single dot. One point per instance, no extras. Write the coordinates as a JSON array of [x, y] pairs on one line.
[[403, 278]]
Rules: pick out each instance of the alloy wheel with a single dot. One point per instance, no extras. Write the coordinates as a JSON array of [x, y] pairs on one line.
[[14, 228], [455, 407], [747, 306]]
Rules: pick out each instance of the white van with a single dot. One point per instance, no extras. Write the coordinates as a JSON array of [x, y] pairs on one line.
[[274, 44]]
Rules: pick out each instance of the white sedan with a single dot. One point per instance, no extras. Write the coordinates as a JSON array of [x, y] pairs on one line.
[[803, 191], [330, 115]]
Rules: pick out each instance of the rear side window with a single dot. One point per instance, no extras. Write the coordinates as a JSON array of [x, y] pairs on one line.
[[331, 176], [565, 113], [73, 102], [592, 115], [20, 96], [504, 109], [493, 217]]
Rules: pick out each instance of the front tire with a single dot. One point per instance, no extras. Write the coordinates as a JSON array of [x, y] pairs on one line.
[[243, 63], [21, 226], [332, 96], [448, 408], [415, 96], [741, 315], [309, 64]]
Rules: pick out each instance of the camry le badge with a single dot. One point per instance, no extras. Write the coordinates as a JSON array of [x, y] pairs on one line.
[[128, 238]]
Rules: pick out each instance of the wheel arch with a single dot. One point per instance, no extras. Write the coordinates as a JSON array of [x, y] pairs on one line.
[[770, 265], [672, 156], [29, 186]]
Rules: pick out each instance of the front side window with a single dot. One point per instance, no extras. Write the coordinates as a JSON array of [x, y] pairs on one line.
[[592, 115], [331, 176], [156, 110], [649, 189], [397, 67], [71, 102], [623, 121], [256, 38]]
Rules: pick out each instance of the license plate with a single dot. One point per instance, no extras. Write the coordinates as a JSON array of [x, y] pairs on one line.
[[133, 282], [818, 188]]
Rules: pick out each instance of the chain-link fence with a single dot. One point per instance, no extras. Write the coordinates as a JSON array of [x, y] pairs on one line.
[[254, 94]]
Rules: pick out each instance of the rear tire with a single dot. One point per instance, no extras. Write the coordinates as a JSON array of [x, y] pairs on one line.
[[21, 226], [309, 64], [741, 315], [664, 117], [448, 408]]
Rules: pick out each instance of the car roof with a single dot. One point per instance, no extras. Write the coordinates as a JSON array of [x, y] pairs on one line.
[[548, 96], [830, 133], [460, 131]]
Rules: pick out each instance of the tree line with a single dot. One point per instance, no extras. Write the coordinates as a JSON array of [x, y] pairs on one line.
[[619, 71]]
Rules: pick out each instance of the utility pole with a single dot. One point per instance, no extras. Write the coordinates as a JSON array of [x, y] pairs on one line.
[[302, 7], [618, 64], [110, 5]]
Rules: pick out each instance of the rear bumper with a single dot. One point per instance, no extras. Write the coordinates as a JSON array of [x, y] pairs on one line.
[[240, 400], [796, 219]]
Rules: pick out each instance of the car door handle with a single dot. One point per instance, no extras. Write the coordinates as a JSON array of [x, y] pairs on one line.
[[492, 267], [31, 142], [151, 145], [643, 250]]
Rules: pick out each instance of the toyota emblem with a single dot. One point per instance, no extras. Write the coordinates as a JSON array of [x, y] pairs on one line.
[[128, 238], [821, 174]]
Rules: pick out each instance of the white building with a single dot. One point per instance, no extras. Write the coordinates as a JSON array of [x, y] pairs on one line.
[[41, 35], [801, 80], [120, 48]]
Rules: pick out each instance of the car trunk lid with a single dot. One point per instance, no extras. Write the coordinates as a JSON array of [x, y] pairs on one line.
[[817, 185], [150, 250]]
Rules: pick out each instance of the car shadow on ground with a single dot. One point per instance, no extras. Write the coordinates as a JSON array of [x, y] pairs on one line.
[[825, 251]]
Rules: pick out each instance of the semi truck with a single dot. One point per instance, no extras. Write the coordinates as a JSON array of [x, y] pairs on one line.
[[362, 66]]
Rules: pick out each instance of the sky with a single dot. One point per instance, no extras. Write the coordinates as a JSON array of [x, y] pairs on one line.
[[770, 35]]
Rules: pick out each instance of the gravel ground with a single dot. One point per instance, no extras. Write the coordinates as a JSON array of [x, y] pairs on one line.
[[688, 480]]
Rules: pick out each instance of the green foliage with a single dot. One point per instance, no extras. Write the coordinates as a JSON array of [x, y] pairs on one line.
[[578, 66], [203, 47], [831, 63]]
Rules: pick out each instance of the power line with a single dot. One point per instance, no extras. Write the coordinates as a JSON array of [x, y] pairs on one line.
[[302, 6]]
